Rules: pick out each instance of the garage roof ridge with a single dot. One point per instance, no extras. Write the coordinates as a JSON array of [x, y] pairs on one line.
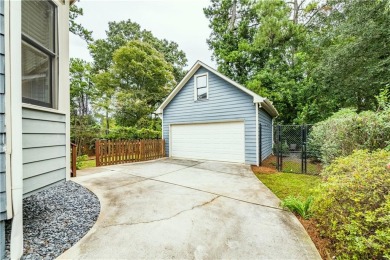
[[264, 102]]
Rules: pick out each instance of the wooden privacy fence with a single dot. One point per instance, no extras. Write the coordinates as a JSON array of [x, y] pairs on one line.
[[122, 151]]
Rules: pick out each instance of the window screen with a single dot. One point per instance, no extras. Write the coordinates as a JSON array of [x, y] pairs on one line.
[[38, 52]]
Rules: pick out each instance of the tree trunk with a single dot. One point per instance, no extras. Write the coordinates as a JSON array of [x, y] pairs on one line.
[[107, 123]]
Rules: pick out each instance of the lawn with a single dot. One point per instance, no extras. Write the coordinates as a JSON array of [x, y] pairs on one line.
[[88, 164], [290, 184]]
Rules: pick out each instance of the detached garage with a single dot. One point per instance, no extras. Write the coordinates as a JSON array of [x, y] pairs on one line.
[[208, 116]]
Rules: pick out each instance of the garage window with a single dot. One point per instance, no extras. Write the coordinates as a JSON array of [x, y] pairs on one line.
[[201, 87]]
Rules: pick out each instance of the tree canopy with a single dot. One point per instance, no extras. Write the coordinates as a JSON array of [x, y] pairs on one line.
[[131, 73], [119, 33], [310, 57]]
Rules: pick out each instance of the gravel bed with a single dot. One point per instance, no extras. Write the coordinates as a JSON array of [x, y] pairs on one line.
[[55, 219]]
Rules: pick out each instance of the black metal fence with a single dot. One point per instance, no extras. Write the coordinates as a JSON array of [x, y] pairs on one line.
[[292, 151]]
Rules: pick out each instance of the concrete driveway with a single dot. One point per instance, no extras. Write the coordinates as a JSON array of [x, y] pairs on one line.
[[184, 209]]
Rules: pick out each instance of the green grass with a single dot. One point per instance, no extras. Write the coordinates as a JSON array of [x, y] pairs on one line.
[[290, 184], [292, 166], [88, 164]]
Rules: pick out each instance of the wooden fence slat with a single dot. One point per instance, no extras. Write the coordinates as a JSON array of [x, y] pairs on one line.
[[126, 151]]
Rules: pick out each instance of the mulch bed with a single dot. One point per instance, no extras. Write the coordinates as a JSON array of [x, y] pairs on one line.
[[268, 166], [55, 219], [322, 244]]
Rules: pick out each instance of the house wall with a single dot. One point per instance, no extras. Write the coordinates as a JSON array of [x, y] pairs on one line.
[[226, 102], [38, 137], [44, 150], [3, 201], [265, 121]]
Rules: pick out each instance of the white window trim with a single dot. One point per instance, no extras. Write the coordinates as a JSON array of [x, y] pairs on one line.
[[195, 86]]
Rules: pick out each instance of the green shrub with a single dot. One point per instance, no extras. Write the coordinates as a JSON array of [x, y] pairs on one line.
[[353, 205], [131, 133], [347, 131], [302, 208], [285, 149], [79, 161]]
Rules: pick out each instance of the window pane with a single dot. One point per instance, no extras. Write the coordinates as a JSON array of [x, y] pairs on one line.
[[35, 75], [201, 81], [38, 22], [202, 93]]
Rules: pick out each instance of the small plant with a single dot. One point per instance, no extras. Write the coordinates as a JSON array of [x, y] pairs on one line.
[[302, 208], [80, 160]]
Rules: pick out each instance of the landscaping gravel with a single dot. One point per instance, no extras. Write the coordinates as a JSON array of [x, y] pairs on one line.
[[55, 219]]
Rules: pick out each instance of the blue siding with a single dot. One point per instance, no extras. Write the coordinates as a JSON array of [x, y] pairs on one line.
[[44, 150], [225, 102], [3, 205], [265, 121]]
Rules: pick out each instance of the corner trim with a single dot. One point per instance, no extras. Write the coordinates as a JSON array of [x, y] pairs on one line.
[[257, 136]]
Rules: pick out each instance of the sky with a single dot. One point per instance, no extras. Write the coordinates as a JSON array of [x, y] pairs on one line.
[[181, 21]]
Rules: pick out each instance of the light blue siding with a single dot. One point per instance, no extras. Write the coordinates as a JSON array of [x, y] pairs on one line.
[[265, 121], [225, 102], [44, 150], [3, 202]]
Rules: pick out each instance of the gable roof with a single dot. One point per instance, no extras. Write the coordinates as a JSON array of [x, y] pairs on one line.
[[263, 102]]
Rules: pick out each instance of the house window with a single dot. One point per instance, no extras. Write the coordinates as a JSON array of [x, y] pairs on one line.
[[39, 52], [201, 87]]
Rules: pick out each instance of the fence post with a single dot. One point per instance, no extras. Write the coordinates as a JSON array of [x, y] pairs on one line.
[[280, 154], [142, 149], [303, 149], [97, 153], [163, 148], [74, 160]]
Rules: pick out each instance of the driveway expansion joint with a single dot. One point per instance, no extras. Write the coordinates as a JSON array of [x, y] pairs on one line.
[[221, 195], [167, 218]]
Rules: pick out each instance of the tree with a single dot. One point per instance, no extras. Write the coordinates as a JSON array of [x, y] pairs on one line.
[[310, 57], [353, 65], [145, 78], [107, 85], [77, 28], [82, 95], [234, 24], [119, 33], [258, 44]]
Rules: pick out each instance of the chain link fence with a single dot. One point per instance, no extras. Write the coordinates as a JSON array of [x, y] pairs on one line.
[[291, 149]]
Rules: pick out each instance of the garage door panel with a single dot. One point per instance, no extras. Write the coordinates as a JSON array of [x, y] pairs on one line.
[[213, 141]]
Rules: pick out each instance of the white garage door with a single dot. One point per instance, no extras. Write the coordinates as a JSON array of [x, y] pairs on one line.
[[213, 141]]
